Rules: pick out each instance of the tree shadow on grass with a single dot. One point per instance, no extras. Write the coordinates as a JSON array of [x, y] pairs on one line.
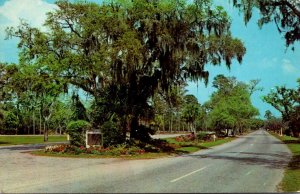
[[295, 163], [3, 142], [297, 141]]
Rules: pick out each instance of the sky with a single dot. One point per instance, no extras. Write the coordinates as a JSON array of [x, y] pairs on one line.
[[266, 58]]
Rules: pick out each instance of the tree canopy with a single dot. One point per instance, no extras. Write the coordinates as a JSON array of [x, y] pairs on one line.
[[230, 107], [287, 102], [125, 51]]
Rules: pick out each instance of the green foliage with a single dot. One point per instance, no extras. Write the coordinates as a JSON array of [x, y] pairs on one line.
[[76, 130], [192, 111], [113, 134], [283, 99], [294, 122], [255, 123], [268, 115], [62, 115], [10, 122], [274, 124], [128, 49], [79, 111], [230, 106], [287, 102]]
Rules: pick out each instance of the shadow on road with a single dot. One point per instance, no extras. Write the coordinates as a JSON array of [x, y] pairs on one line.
[[273, 161], [278, 154], [23, 147]]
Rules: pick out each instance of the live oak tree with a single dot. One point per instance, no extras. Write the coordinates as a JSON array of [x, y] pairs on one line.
[[268, 115], [286, 101], [129, 49], [282, 99], [230, 107]]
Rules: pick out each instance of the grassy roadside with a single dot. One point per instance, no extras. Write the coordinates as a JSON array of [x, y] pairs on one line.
[[190, 147], [6, 140], [181, 148], [291, 179]]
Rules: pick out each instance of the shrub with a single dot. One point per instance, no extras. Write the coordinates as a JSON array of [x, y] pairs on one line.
[[185, 138], [112, 134], [10, 122], [76, 130]]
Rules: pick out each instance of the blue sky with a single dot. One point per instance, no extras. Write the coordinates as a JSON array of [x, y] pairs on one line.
[[267, 57]]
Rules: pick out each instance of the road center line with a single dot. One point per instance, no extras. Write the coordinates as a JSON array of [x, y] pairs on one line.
[[249, 172], [174, 180]]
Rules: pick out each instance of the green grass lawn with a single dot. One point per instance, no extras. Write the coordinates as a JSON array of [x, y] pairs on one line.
[[291, 179], [29, 139], [190, 147]]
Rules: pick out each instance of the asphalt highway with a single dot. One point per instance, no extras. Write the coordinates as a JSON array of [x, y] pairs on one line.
[[251, 163]]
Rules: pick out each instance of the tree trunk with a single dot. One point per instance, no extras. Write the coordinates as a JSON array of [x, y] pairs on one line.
[[40, 123], [45, 133], [163, 122], [33, 123], [133, 127], [59, 129], [193, 129], [171, 123]]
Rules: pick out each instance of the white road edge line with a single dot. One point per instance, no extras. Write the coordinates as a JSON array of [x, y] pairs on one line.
[[174, 180]]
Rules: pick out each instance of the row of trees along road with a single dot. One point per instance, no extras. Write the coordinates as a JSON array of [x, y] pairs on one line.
[[120, 53], [124, 55], [286, 15]]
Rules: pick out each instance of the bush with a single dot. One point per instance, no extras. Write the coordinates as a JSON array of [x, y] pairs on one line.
[[112, 134], [185, 138], [76, 130], [10, 123], [204, 136]]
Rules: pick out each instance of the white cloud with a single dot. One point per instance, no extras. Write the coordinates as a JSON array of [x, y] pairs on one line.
[[267, 62], [33, 11], [289, 68]]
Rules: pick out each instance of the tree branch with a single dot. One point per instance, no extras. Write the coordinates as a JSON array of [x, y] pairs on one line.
[[291, 6]]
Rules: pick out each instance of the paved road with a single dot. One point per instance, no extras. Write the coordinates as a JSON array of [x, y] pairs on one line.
[[253, 163]]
